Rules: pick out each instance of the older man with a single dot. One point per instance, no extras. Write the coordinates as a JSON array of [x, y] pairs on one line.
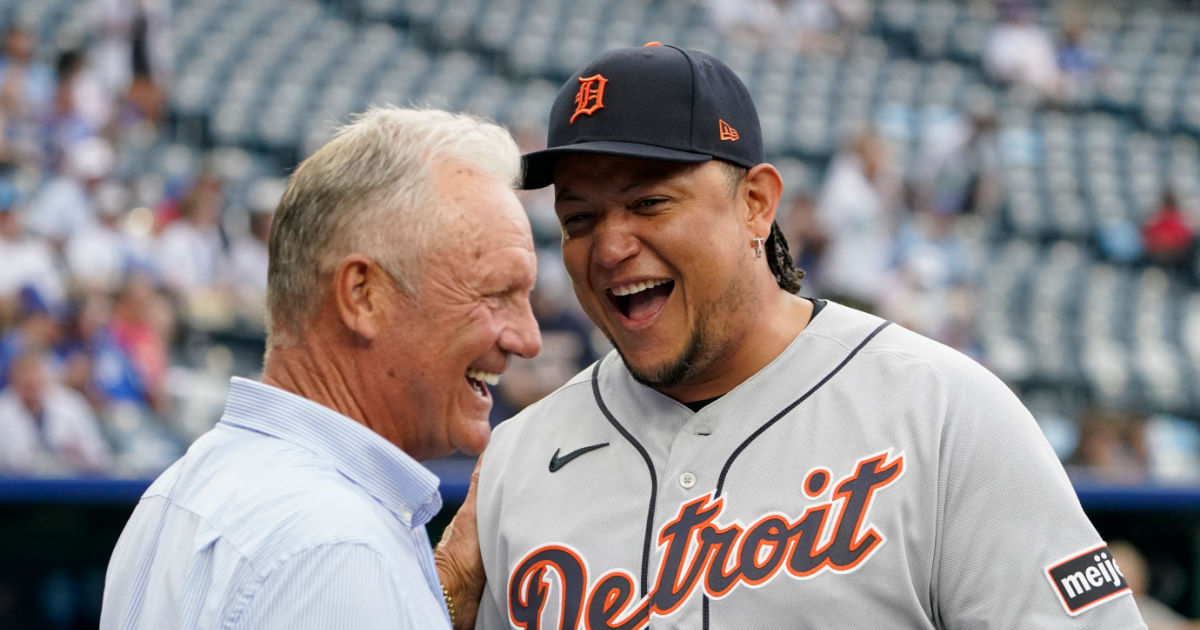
[[400, 269]]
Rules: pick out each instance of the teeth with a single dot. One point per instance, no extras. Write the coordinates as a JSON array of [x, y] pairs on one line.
[[637, 288], [486, 377]]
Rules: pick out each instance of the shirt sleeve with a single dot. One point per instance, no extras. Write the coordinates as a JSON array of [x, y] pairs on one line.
[[1007, 514], [336, 586]]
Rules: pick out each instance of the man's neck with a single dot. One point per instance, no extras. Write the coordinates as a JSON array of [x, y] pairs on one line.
[[322, 380], [767, 338]]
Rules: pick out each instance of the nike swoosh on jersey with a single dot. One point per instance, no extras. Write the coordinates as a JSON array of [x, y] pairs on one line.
[[557, 462]]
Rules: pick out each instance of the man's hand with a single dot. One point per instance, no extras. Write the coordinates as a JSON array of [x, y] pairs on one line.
[[459, 562]]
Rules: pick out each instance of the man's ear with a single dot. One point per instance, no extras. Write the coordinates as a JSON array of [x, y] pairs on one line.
[[360, 294], [761, 190]]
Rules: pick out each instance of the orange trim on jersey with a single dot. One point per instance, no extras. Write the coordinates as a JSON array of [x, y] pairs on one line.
[[817, 548], [538, 570], [725, 571], [860, 536], [824, 485], [754, 553], [696, 551], [637, 618], [666, 539]]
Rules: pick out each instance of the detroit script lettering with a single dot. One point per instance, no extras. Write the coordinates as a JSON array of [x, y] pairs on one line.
[[698, 551]]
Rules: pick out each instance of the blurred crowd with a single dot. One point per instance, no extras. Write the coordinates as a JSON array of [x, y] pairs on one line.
[[110, 279], [101, 269]]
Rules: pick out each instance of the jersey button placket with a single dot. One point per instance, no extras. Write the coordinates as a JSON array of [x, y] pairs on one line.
[[687, 480]]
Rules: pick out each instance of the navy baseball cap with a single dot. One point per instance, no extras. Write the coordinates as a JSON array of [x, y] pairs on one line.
[[658, 102]]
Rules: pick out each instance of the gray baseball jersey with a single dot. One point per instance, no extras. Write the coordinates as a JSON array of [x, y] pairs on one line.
[[868, 477]]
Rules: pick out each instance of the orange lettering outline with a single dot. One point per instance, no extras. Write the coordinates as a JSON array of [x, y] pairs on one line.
[[590, 96]]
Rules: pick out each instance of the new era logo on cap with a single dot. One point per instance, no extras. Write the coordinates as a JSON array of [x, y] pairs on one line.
[[727, 132], [656, 102]]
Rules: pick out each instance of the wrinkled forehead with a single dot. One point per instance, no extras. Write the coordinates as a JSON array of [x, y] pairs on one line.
[[477, 205]]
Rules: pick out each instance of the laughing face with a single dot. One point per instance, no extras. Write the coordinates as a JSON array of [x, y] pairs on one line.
[[473, 314], [658, 253]]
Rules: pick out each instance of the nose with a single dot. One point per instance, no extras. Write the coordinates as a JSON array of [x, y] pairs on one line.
[[522, 336], [613, 240]]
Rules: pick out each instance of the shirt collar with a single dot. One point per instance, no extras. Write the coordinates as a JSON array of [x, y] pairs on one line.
[[395, 479]]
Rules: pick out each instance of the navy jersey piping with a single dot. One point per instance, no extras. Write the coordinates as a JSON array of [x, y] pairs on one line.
[[728, 463], [649, 467], [769, 423]]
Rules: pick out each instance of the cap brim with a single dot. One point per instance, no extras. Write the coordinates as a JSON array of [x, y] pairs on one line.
[[539, 165]]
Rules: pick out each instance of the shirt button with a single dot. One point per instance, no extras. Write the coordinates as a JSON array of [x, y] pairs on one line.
[[687, 480]]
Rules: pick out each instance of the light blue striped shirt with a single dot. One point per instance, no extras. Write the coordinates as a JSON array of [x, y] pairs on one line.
[[285, 515]]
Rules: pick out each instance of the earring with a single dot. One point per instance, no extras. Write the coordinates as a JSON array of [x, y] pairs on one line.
[[758, 246]]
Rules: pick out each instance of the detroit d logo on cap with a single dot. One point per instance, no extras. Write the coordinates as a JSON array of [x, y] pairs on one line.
[[590, 96]]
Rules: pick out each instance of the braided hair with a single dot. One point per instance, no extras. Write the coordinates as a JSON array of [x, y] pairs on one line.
[[779, 258]]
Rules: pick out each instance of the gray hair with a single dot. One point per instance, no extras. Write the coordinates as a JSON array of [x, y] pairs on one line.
[[371, 190]]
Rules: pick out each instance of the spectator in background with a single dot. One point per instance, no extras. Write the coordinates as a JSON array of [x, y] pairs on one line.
[[1157, 615], [132, 53], [1020, 52], [131, 37], [93, 363], [26, 92], [81, 109], [90, 100], [959, 168], [807, 239], [1110, 448], [1167, 237], [745, 20], [45, 427], [857, 209], [100, 255], [790, 25], [928, 288], [91, 360], [1079, 67], [63, 205], [245, 266], [36, 326], [141, 326], [145, 102], [27, 261], [189, 249]]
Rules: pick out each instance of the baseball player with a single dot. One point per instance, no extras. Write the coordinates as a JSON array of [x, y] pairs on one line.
[[748, 458]]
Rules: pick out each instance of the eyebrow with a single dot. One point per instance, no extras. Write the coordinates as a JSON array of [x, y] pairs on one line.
[[642, 177]]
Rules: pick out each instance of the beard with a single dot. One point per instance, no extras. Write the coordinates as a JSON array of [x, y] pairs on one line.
[[674, 371], [705, 347], [709, 342]]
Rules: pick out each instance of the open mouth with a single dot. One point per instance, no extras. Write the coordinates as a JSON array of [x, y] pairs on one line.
[[641, 300], [479, 380]]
